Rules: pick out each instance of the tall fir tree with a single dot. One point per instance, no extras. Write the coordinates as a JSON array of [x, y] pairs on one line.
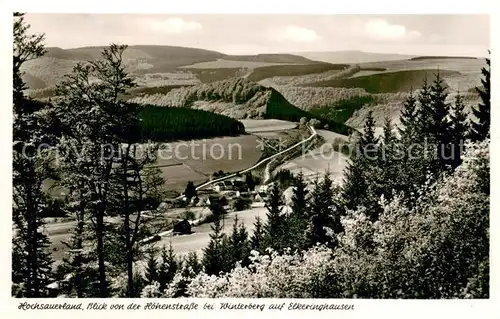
[[421, 160], [239, 246], [192, 265], [324, 214], [441, 125], [480, 129], [168, 266], [388, 161], [355, 185], [360, 176], [369, 142], [151, 273], [257, 238], [424, 120], [459, 130], [274, 228], [297, 220], [214, 255], [415, 123], [31, 268], [408, 119]]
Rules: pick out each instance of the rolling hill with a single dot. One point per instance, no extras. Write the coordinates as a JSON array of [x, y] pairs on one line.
[[146, 59], [351, 57], [430, 57], [390, 82]]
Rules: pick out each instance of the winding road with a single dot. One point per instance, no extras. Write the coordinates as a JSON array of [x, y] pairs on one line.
[[267, 159]]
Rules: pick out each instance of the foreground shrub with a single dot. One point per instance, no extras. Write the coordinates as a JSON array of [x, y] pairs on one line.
[[438, 249]]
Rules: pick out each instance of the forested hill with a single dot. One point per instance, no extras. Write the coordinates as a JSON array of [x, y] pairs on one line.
[[237, 98], [163, 124]]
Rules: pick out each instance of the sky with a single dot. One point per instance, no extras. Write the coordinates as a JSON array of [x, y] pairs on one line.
[[457, 34]]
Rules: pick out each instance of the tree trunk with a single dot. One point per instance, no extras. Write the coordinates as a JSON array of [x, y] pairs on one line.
[[100, 254], [79, 246], [130, 257], [34, 289], [130, 270], [128, 239]]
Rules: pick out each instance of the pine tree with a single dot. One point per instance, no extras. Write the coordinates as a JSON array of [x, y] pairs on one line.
[[297, 220], [299, 198], [421, 160], [324, 214], [274, 228], [441, 126], [360, 176], [31, 268], [151, 273], [408, 119], [388, 135], [480, 130], [192, 263], [257, 238], [388, 161], [355, 185], [368, 142], [424, 119], [459, 130], [214, 255], [239, 247], [168, 267]]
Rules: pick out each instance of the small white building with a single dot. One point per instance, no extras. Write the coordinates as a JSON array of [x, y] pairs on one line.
[[258, 198], [263, 188], [219, 187]]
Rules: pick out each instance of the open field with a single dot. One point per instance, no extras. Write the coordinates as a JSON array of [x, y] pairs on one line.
[[177, 176], [227, 148], [315, 162], [201, 158], [252, 126], [222, 63], [363, 72], [200, 237]]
